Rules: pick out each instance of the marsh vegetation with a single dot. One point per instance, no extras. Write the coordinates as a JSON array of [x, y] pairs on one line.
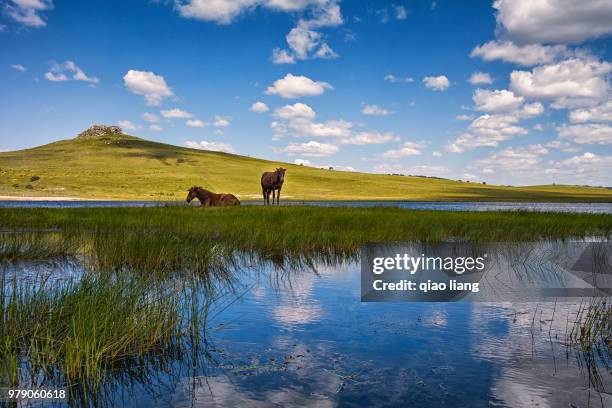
[[150, 281]]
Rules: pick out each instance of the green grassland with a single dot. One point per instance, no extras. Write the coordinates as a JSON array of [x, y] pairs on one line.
[[129, 168]]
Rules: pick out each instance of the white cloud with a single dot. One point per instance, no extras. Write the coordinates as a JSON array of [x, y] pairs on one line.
[[480, 78], [500, 124], [28, 12], [153, 87], [288, 5], [259, 107], [150, 117], [488, 130], [329, 128], [568, 83], [531, 110], [375, 110], [299, 120], [222, 121], [396, 11], [308, 163], [326, 14], [127, 125], [325, 52], [302, 41], [590, 133], [323, 12], [297, 110], [406, 149], [210, 145], [513, 160], [417, 170], [600, 113], [563, 146], [553, 21], [176, 113], [496, 101], [438, 83], [296, 86], [464, 117], [369, 138], [19, 67], [393, 79], [196, 123], [53, 77], [282, 57], [527, 55], [68, 71], [303, 162], [589, 168], [312, 148], [219, 11], [155, 128], [400, 12], [436, 154]]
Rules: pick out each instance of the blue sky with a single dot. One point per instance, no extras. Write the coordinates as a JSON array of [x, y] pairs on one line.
[[512, 92]]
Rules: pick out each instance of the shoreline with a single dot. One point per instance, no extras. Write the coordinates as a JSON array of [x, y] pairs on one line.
[[49, 198], [6, 198]]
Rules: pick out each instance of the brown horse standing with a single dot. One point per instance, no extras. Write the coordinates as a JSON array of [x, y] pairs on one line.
[[209, 199], [270, 182]]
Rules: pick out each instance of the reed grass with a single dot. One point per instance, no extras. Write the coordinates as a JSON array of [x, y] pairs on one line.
[[171, 235], [76, 331]]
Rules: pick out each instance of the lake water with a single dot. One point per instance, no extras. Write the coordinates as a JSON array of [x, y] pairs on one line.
[[302, 337], [601, 208]]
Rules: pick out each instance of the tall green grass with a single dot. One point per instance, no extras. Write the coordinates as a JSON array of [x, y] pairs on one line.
[[83, 332], [165, 238]]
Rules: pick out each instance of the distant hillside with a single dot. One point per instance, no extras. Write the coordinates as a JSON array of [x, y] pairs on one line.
[[105, 164]]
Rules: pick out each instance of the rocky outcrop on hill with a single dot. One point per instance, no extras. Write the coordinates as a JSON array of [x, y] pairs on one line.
[[96, 131]]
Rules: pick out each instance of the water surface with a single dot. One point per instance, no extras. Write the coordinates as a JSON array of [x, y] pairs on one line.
[[601, 208], [302, 337]]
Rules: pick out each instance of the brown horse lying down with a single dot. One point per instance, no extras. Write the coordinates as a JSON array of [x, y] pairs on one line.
[[209, 199]]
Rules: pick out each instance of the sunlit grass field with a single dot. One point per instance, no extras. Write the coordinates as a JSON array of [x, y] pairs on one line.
[[129, 168]]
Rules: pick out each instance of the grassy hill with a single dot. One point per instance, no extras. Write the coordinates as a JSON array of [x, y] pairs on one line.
[[114, 166]]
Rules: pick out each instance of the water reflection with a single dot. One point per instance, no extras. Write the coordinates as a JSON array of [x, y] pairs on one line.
[[293, 332]]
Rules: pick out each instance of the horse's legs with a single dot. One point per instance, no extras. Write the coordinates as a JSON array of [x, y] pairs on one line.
[[267, 198], [278, 196], [263, 193], [273, 195]]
